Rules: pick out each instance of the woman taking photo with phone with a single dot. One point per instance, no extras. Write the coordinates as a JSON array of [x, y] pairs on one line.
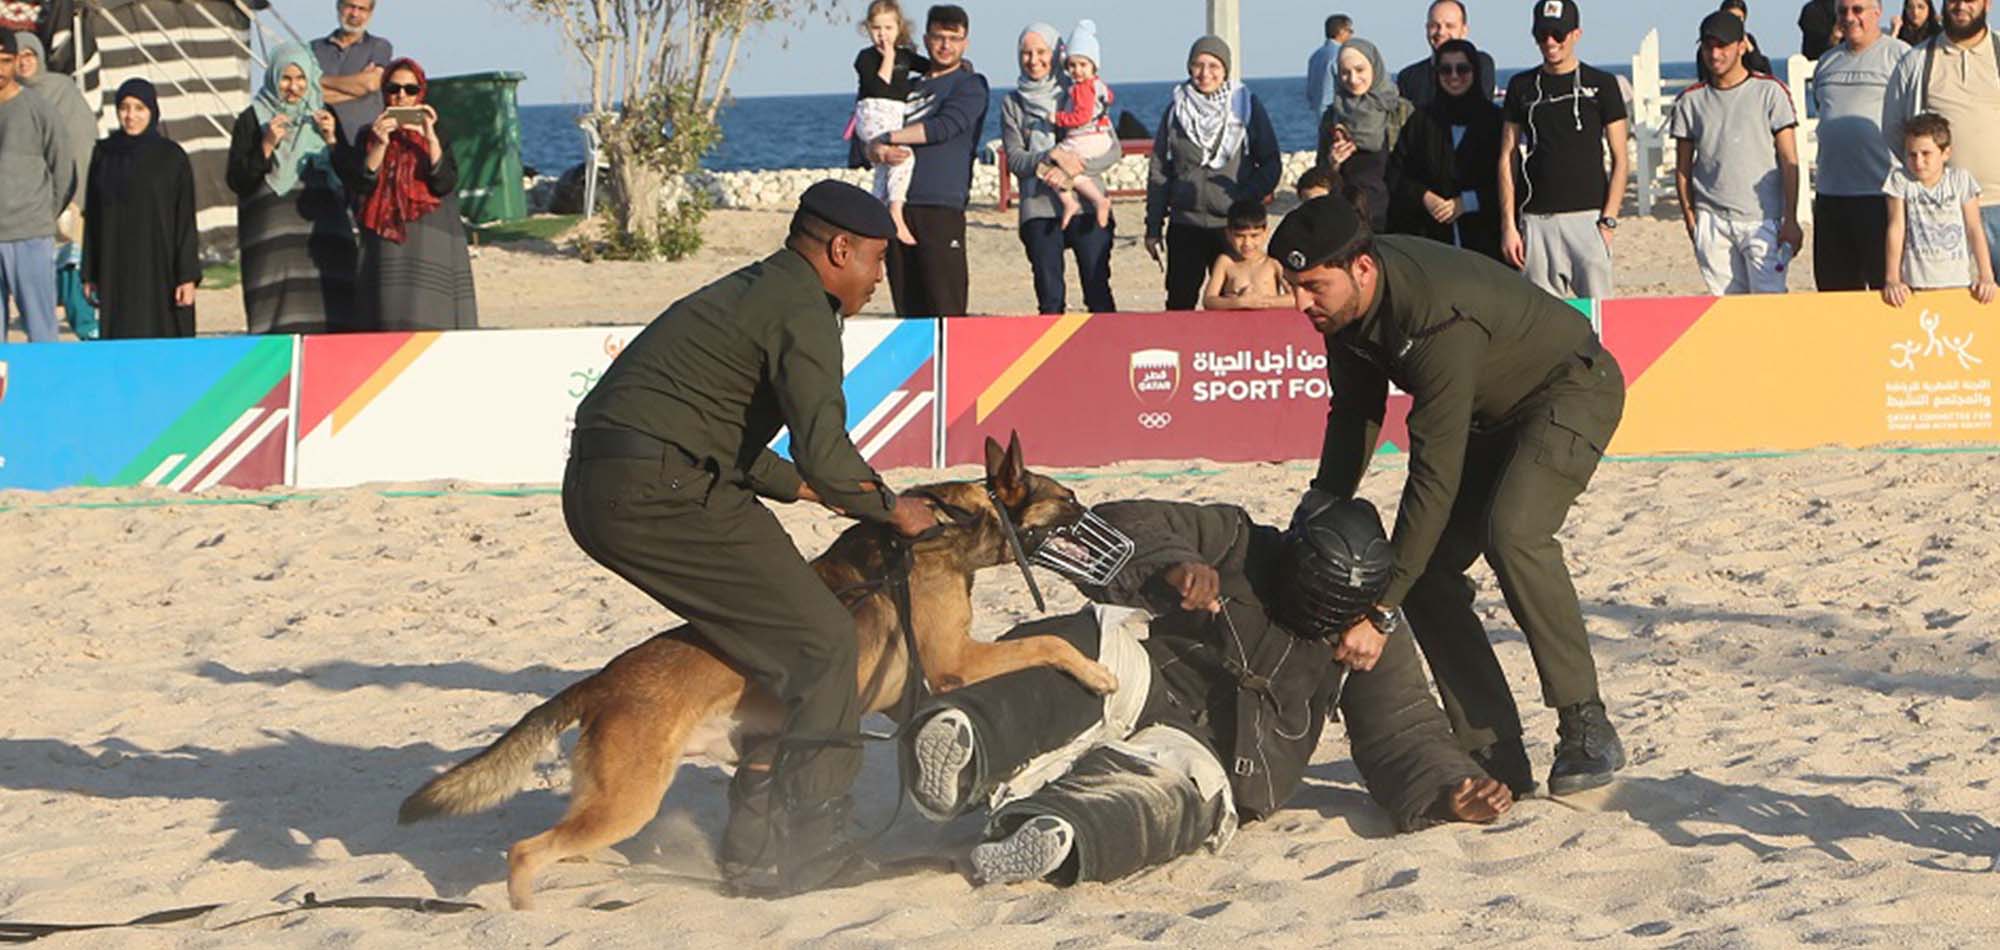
[[415, 271]]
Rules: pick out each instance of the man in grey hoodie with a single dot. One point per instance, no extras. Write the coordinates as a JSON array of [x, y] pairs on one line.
[[37, 180]]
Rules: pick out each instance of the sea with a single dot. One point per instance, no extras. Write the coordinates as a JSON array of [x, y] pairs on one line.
[[804, 131]]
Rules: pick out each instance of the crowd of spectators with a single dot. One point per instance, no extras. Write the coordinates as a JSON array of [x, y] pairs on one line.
[[347, 211], [348, 215]]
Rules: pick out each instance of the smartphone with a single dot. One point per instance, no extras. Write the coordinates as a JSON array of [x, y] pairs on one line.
[[411, 116]]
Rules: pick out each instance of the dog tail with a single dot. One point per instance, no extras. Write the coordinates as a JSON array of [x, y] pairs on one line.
[[496, 773]]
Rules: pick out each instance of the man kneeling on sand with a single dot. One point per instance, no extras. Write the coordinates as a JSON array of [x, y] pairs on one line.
[[1232, 642]]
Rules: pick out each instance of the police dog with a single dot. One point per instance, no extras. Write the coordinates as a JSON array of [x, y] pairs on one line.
[[650, 704]]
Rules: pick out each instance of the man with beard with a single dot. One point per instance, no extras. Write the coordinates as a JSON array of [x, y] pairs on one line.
[[1224, 687], [1956, 74], [1513, 401]]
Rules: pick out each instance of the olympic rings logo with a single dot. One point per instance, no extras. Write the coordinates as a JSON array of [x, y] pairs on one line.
[[1156, 420]]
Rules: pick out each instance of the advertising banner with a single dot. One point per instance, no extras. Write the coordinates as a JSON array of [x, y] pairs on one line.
[[1094, 390], [184, 414], [1774, 373], [498, 406]]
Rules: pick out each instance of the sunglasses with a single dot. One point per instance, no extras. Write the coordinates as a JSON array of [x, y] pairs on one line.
[[1455, 69], [411, 89], [1545, 35]]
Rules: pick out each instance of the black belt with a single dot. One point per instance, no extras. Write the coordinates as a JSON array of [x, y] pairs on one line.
[[587, 445]]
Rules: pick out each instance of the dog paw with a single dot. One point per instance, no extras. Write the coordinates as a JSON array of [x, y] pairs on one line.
[[1099, 678]]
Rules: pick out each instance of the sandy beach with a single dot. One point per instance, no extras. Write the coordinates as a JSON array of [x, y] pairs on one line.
[[544, 284], [224, 703]]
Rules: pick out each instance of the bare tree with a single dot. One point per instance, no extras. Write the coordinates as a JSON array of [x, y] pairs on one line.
[[659, 73]]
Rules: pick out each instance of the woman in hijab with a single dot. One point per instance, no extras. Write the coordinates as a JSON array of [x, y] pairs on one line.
[[79, 123], [1215, 147], [1028, 134], [1358, 131], [415, 271], [140, 250], [1444, 178], [291, 215]]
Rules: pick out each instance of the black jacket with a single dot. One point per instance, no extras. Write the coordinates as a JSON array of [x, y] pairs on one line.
[[1263, 694]]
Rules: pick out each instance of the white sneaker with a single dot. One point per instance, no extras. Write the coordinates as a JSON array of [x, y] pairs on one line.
[[1034, 851], [943, 749]]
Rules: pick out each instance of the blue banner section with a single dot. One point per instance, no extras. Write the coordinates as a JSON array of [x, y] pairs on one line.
[[886, 369], [130, 412]]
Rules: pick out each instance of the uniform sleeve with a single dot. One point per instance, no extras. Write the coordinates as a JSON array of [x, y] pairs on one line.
[[1165, 534], [772, 477], [1442, 376], [1353, 421], [806, 371], [958, 114]]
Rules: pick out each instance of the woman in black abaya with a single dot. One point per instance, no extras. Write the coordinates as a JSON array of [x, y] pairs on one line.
[[140, 260]]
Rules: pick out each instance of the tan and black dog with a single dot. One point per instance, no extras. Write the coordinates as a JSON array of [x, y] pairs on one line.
[[647, 706]]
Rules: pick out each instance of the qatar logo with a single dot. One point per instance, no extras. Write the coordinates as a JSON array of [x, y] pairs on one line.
[[1905, 353], [1155, 377]]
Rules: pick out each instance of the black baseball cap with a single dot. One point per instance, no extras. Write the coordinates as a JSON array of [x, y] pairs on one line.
[[1556, 18], [848, 208], [1722, 26], [1316, 232]]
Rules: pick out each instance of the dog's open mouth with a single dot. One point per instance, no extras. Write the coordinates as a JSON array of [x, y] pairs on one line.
[[1062, 547]]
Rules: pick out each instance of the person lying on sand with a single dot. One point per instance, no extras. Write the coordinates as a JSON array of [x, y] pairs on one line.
[[1232, 642]]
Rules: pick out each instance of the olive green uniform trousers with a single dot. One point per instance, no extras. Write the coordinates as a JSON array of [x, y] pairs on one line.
[[711, 553]]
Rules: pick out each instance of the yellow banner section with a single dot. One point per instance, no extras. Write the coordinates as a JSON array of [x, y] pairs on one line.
[[1805, 371]]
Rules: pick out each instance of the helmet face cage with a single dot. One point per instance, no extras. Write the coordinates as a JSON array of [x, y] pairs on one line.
[[1335, 571], [1090, 551]]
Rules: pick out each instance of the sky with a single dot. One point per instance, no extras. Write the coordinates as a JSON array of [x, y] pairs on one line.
[[1143, 40]]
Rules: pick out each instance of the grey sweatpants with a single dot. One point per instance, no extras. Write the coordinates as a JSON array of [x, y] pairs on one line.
[[1566, 254], [28, 276]]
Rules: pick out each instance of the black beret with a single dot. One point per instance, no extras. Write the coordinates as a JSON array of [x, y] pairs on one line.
[[849, 209], [7, 43], [1315, 232]]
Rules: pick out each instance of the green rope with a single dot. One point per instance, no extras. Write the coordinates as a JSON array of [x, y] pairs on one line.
[[533, 491]]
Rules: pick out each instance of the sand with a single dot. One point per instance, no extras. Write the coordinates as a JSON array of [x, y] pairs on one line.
[[544, 284], [224, 703]]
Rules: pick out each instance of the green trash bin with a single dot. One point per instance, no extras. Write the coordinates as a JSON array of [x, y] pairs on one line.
[[482, 127]]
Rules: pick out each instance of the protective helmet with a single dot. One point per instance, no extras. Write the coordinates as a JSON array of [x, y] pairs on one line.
[[1336, 565]]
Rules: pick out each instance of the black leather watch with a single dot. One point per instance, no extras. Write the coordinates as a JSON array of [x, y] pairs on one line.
[[1607, 222], [1387, 622]]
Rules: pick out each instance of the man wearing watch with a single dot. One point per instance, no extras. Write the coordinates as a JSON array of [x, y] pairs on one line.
[[1513, 402]]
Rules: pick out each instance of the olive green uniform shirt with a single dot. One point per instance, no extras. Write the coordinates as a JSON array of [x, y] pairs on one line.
[[723, 369], [1472, 343]]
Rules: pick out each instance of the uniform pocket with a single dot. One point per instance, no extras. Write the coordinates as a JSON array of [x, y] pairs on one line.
[[1568, 452]]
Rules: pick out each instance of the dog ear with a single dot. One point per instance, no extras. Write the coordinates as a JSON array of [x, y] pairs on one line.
[[1008, 476], [996, 459]]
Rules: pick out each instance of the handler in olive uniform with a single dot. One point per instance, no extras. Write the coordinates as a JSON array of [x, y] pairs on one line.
[[668, 460], [1513, 403]]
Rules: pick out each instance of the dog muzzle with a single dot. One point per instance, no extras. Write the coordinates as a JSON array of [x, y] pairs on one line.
[[1090, 552]]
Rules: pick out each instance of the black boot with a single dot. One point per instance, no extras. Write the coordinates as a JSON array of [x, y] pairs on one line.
[[1507, 761], [771, 850], [1587, 749]]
